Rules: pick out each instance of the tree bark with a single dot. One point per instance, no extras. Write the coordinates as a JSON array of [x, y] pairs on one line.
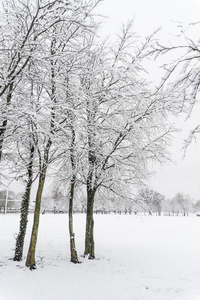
[[24, 211], [89, 233], [30, 261], [5, 121], [91, 178], [74, 256]]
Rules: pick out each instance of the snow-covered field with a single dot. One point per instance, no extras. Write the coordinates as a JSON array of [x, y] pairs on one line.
[[137, 258]]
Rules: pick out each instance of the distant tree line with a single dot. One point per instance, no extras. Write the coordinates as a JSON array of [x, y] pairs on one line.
[[147, 202]]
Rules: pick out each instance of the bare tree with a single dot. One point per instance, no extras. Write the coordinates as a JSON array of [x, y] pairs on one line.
[[182, 65]]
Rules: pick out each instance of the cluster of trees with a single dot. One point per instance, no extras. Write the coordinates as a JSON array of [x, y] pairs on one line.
[[180, 204], [154, 202], [146, 202], [76, 108]]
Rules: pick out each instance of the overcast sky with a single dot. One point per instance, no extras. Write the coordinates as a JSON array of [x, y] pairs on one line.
[[184, 174], [149, 14]]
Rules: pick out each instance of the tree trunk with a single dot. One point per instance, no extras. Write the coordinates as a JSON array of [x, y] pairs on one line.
[[24, 211], [5, 121], [30, 261], [74, 256], [89, 234]]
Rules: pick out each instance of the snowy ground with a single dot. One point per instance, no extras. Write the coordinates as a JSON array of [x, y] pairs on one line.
[[137, 258]]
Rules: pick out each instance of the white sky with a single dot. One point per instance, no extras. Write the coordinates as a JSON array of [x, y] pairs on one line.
[[149, 14], [184, 175]]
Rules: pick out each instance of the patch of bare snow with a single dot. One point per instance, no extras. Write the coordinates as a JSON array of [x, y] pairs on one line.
[[137, 258]]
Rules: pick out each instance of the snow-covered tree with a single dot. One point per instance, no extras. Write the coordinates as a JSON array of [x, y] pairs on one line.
[[125, 124], [182, 65], [197, 205], [62, 40], [151, 200], [24, 25], [183, 203]]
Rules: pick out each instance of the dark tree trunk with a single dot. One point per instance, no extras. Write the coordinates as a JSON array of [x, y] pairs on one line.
[[30, 261], [24, 211], [91, 180], [89, 233], [5, 121], [2, 131], [74, 256]]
